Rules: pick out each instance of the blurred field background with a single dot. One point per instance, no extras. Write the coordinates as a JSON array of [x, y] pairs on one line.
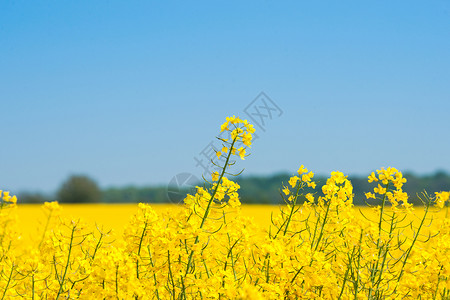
[[32, 217]]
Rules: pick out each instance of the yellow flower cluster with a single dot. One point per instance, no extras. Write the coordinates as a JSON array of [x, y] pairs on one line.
[[390, 188], [441, 198], [240, 131], [6, 198], [225, 192], [298, 183], [317, 247]]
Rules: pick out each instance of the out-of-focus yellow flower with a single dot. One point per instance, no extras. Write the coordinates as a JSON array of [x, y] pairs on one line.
[[293, 181], [247, 139], [307, 177], [380, 190], [302, 170], [234, 200], [370, 195], [372, 177], [441, 198], [312, 184], [241, 151], [224, 127], [309, 197], [399, 180], [12, 200], [215, 176], [52, 206], [6, 196]]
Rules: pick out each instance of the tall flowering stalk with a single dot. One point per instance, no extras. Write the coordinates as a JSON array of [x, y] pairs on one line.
[[222, 191]]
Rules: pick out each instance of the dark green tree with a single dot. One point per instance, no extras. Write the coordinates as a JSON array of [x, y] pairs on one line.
[[79, 189], [33, 198]]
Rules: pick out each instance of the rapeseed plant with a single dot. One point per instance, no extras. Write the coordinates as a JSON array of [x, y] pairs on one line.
[[317, 247]]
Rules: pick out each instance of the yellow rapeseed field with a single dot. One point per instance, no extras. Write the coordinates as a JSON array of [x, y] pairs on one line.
[[212, 247], [115, 217], [32, 217]]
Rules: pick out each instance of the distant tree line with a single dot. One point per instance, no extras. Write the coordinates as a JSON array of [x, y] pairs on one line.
[[266, 190], [254, 190]]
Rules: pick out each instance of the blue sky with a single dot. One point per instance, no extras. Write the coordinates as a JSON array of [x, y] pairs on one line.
[[129, 92]]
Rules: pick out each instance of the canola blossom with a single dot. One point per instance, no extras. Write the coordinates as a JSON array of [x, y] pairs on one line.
[[318, 245]]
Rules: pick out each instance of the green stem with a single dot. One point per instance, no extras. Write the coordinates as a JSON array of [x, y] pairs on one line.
[[358, 266], [231, 256], [45, 229], [32, 287], [154, 274], [9, 281], [386, 251], [292, 209], [437, 286], [61, 284], [139, 248], [381, 213], [323, 227], [349, 266], [380, 222], [171, 275], [117, 284], [296, 274], [408, 252], [205, 216], [97, 246]]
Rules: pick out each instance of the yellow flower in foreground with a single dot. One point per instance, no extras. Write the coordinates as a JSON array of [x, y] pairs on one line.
[[399, 180], [441, 198], [293, 180], [380, 190], [218, 153], [302, 170], [215, 176], [312, 184], [8, 198], [234, 120], [234, 201], [242, 152], [224, 126], [247, 139], [286, 190], [370, 195], [13, 200], [307, 177], [373, 177], [309, 197]]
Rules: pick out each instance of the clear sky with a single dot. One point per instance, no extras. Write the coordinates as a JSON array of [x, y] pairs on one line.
[[129, 92]]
